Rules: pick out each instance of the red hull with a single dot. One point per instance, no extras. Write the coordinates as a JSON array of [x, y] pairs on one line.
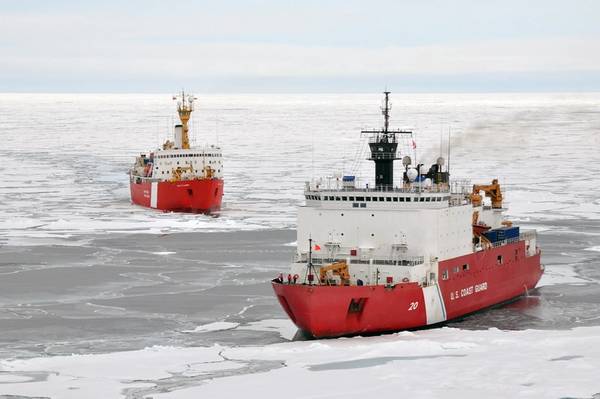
[[203, 196], [330, 311]]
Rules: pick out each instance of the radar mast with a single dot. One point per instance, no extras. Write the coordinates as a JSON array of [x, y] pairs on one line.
[[384, 145], [185, 106]]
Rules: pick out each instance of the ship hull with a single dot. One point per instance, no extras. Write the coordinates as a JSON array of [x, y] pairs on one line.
[[198, 196], [332, 311]]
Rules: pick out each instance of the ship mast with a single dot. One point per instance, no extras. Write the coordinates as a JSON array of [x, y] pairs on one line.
[[384, 144], [185, 106], [386, 112]]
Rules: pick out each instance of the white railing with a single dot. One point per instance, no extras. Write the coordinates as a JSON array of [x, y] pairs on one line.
[[404, 261], [414, 188]]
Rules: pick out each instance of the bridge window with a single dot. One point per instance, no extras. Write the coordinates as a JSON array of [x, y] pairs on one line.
[[360, 199], [395, 199], [456, 269], [388, 199], [465, 267], [381, 199], [368, 198], [499, 260], [374, 199], [363, 205], [355, 205], [344, 198], [351, 198], [445, 275]]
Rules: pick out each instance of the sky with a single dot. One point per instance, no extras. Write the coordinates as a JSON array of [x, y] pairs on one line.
[[299, 46]]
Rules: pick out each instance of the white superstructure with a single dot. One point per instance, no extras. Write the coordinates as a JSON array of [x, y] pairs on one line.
[[389, 234]]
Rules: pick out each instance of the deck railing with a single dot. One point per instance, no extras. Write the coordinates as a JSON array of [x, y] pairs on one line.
[[404, 261]]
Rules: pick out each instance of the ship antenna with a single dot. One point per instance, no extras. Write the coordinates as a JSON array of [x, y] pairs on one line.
[[385, 110], [449, 137], [185, 106]]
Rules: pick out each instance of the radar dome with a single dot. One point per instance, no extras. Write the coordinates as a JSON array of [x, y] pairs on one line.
[[427, 182], [441, 161], [412, 174], [406, 160]]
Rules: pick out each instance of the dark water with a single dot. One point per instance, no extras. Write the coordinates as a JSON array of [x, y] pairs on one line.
[[116, 293], [559, 306]]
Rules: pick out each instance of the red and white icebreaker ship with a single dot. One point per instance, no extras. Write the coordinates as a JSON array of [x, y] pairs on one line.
[[178, 177], [393, 257]]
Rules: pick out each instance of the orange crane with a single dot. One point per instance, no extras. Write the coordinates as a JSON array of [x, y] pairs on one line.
[[337, 268], [491, 190]]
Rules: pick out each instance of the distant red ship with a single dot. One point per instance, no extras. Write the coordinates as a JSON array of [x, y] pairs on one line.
[[394, 257], [178, 177]]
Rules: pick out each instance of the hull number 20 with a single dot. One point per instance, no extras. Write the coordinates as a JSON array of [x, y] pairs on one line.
[[413, 306]]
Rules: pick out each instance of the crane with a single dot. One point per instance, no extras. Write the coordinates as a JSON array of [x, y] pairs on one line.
[[491, 190], [337, 268]]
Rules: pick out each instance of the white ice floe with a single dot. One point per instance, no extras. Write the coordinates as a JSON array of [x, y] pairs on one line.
[[216, 326], [284, 327], [560, 274], [595, 249], [164, 253], [436, 363]]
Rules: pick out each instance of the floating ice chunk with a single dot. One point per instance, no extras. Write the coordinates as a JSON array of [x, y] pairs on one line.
[[284, 327], [560, 274], [216, 326]]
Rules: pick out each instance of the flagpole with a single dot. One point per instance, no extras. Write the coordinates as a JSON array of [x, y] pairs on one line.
[[309, 251]]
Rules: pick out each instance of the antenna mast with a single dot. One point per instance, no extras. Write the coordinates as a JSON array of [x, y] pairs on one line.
[[185, 106], [383, 144], [385, 110]]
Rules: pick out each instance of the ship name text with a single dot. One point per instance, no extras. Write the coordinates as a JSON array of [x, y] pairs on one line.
[[463, 292]]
